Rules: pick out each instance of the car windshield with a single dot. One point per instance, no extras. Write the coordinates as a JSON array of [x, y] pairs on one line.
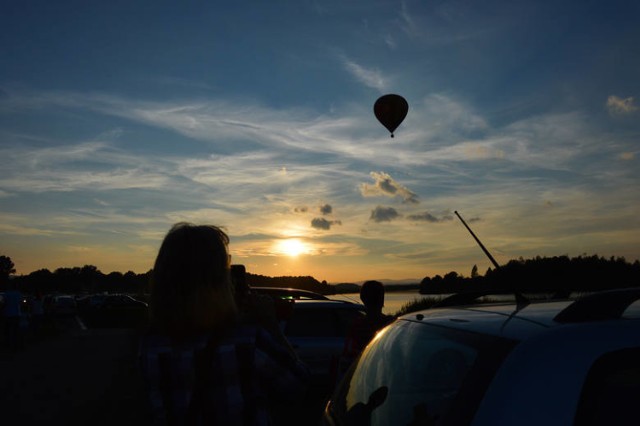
[[415, 373], [319, 322]]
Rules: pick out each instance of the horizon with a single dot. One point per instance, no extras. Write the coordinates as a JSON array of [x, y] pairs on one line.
[[386, 281], [118, 120]]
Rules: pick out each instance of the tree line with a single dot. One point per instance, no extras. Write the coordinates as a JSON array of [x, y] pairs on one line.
[[539, 274], [76, 280], [558, 274], [89, 279]]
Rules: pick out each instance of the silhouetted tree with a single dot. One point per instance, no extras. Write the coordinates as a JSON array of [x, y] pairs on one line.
[[6, 268], [89, 277], [474, 271]]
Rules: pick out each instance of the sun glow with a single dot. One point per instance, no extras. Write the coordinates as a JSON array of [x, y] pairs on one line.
[[292, 247]]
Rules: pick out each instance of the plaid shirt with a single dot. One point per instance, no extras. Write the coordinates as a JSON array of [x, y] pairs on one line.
[[227, 382]]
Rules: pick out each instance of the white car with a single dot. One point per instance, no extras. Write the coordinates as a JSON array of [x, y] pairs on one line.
[[527, 363], [315, 326], [317, 330]]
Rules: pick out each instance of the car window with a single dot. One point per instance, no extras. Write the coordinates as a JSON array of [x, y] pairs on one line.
[[344, 319], [311, 323], [611, 393], [418, 374], [320, 322]]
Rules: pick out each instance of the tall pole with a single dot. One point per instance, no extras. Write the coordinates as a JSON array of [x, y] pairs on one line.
[[478, 241]]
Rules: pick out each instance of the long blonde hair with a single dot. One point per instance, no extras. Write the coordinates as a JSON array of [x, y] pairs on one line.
[[191, 285]]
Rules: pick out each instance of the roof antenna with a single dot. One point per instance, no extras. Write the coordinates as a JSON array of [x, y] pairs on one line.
[[484, 249], [521, 301]]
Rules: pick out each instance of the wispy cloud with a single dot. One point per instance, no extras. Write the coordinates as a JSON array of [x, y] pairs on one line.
[[91, 165], [449, 22], [370, 77]]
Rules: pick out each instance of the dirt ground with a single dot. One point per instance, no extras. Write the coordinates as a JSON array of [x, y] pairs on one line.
[[73, 376], [76, 376]]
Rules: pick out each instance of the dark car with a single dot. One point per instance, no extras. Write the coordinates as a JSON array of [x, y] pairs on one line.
[[525, 363], [102, 301], [112, 311]]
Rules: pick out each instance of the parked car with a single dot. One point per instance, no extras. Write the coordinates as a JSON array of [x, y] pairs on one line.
[[317, 330], [63, 306], [570, 362], [112, 311], [289, 293], [104, 301], [315, 326]]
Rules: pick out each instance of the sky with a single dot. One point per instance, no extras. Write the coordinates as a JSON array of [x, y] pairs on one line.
[[119, 119]]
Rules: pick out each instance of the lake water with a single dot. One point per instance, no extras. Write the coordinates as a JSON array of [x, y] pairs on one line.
[[393, 300]]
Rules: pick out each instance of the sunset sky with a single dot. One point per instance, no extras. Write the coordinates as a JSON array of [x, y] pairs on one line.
[[120, 118]]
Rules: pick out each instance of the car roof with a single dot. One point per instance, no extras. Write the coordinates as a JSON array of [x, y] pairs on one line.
[[521, 321], [327, 303], [64, 296], [286, 292]]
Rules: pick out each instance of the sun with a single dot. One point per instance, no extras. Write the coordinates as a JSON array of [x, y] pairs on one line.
[[292, 247]]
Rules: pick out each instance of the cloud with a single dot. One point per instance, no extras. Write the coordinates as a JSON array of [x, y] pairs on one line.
[[450, 114], [619, 106], [387, 186], [248, 123], [94, 166], [326, 209], [428, 217], [390, 41], [384, 214], [302, 209], [369, 77], [445, 23], [322, 223]]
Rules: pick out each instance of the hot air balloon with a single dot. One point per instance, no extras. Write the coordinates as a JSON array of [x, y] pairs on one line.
[[390, 110]]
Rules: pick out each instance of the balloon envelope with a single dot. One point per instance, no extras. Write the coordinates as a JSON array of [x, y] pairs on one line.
[[390, 110]]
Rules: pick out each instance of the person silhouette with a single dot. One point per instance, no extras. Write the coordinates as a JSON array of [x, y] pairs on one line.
[[12, 313], [200, 362], [364, 328]]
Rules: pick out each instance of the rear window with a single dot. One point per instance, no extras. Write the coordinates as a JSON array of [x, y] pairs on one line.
[[321, 322], [415, 373]]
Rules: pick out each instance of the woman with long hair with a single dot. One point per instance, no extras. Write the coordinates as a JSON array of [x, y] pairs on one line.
[[202, 363]]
